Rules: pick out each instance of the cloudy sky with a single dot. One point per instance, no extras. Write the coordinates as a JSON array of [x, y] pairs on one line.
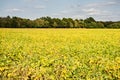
[[104, 10]]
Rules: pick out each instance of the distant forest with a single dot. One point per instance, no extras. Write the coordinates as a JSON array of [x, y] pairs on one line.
[[48, 22]]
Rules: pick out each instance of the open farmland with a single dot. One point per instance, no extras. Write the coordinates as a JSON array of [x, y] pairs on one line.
[[60, 54]]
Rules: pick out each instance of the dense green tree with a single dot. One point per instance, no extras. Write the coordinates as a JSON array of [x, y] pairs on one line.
[[39, 23], [114, 25], [16, 22], [48, 22], [107, 23], [89, 20], [90, 25], [100, 25], [57, 22], [65, 22]]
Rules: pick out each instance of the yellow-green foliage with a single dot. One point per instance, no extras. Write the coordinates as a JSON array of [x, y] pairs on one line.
[[60, 54]]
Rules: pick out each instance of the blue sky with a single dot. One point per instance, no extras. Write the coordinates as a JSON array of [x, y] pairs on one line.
[[104, 10]]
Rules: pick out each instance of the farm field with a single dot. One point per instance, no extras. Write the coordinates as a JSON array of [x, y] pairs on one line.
[[60, 54]]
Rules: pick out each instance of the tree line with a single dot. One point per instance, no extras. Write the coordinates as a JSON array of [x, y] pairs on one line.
[[48, 22]]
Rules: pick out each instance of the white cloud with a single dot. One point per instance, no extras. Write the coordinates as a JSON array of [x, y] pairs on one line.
[[99, 11], [92, 11], [29, 0], [65, 11], [79, 16], [101, 4], [40, 7], [34, 0], [96, 12], [14, 10], [111, 3], [46, 0]]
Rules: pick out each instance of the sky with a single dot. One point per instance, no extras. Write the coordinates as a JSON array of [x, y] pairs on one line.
[[100, 10]]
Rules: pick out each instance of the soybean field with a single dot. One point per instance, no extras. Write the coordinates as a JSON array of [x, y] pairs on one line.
[[59, 54]]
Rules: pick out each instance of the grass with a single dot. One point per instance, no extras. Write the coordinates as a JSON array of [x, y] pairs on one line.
[[60, 54]]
